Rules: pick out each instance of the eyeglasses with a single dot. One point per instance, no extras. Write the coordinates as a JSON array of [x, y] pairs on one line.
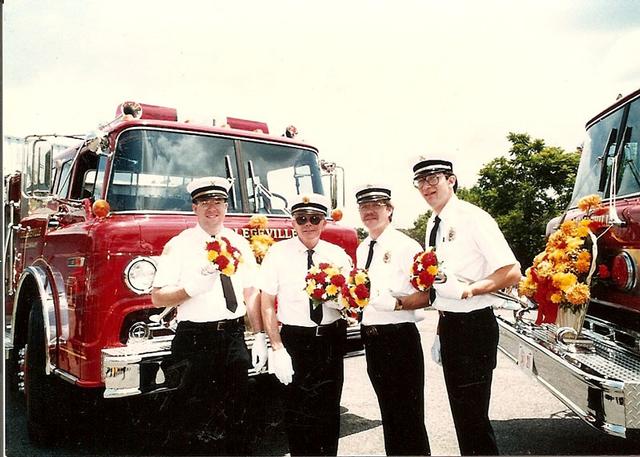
[[210, 202], [432, 180], [313, 218], [370, 206]]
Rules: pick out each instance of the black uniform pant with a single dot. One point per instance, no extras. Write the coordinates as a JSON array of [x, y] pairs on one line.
[[469, 343], [208, 409], [312, 400], [395, 364]]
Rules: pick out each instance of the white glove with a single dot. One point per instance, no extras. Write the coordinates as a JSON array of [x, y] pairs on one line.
[[435, 351], [281, 366], [259, 351], [383, 305], [201, 282], [451, 288], [333, 304]]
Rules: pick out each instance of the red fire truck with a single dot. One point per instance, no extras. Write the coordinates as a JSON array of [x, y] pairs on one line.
[[597, 375], [86, 224]]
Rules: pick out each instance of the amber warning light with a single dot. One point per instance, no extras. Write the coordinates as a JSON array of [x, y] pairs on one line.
[[101, 208]]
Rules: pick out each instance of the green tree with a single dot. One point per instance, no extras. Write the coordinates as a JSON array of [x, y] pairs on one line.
[[522, 192], [419, 228], [525, 190]]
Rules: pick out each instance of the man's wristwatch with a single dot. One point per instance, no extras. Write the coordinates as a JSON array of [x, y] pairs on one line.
[[398, 305]]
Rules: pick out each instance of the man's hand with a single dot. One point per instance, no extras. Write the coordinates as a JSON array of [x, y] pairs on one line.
[[282, 366], [452, 288], [201, 282], [435, 351], [259, 351]]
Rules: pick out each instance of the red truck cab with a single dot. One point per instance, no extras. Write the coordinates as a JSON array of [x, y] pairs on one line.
[[91, 220]]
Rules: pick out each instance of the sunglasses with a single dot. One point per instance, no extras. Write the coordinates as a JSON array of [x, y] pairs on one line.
[[314, 219]]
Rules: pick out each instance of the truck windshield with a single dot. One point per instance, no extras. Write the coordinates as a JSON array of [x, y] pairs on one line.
[[152, 167], [597, 151]]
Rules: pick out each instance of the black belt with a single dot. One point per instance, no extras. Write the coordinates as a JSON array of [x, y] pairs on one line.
[[469, 314], [320, 330], [384, 329], [215, 326]]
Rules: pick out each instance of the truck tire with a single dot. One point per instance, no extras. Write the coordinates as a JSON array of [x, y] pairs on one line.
[[41, 392]]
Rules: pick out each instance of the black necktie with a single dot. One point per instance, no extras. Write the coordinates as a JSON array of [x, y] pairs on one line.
[[229, 294], [432, 243], [370, 254], [316, 313]]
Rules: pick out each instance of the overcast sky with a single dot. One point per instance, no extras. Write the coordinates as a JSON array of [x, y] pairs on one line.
[[372, 83]]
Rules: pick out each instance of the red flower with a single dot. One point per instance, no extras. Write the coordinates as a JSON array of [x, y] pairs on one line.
[[323, 265], [320, 277], [222, 262], [429, 259], [425, 278], [338, 280], [361, 291], [317, 294], [214, 246]]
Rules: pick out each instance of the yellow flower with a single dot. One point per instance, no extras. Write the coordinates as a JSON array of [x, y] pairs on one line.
[[589, 202], [583, 262], [564, 280], [578, 294], [545, 269], [212, 255], [557, 239], [569, 227], [311, 285], [331, 289], [583, 228], [526, 286], [229, 270], [314, 270], [258, 222], [574, 243], [360, 278], [332, 271], [556, 297], [432, 269], [556, 255]]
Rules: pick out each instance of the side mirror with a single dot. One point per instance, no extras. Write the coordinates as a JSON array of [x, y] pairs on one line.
[[38, 165]]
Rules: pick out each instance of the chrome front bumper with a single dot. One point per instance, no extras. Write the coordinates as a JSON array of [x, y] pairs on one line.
[[136, 369], [601, 385]]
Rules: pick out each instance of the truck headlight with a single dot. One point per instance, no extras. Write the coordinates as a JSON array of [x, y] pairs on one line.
[[139, 274]]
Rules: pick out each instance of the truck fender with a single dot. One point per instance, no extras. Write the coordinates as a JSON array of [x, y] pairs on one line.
[[37, 286]]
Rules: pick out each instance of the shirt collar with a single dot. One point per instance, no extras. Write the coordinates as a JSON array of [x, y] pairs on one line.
[[384, 236], [204, 235], [302, 248]]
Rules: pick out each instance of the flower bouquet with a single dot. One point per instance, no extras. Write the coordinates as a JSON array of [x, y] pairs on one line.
[[560, 276], [424, 270], [260, 241], [223, 256], [324, 283], [356, 291]]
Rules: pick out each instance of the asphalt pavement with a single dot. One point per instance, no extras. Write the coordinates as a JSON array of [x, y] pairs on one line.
[[527, 419]]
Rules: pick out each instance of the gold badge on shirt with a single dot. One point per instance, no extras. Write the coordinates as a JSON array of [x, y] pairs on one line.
[[452, 234], [387, 257]]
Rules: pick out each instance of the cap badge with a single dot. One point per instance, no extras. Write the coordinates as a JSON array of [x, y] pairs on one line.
[[387, 257], [305, 199]]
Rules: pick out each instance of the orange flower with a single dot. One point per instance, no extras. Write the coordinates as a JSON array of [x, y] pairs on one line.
[[590, 202]]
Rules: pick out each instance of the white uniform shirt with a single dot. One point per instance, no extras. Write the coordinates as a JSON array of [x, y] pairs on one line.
[[185, 255], [470, 246], [282, 274], [389, 271]]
